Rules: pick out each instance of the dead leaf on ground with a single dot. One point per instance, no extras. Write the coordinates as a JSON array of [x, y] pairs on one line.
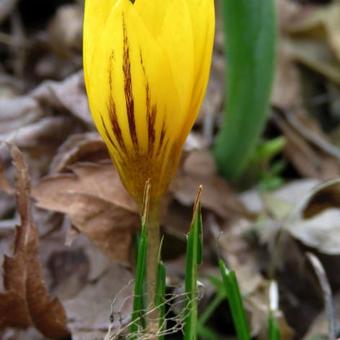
[[312, 38], [4, 184], [287, 91], [93, 197], [68, 94], [321, 22], [199, 169], [79, 147], [108, 298], [25, 301], [306, 147], [315, 222]]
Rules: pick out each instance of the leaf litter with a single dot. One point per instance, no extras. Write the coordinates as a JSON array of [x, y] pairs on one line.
[[25, 301]]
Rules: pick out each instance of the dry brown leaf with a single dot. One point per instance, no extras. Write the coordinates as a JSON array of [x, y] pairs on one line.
[[97, 204], [26, 301], [320, 22], [287, 92], [198, 169], [316, 55], [4, 184], [312, 37], [315, 221], [306, 146], [68, 94], [79, 147], [109, 298]]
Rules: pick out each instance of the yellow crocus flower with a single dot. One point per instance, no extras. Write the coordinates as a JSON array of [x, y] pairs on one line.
[[146, 68]]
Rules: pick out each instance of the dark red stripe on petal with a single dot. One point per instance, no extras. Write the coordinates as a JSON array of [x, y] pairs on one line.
[[112, 111], [151, 111], [161, 138], [107, 133], [130, 104]]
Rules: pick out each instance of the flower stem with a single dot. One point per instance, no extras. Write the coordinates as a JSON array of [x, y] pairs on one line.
[[153, 230]]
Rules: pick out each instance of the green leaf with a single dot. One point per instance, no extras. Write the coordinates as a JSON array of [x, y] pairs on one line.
[[160, 294], [137, 319], [235, 302], [193, 259], [250, 43], [273, 327]]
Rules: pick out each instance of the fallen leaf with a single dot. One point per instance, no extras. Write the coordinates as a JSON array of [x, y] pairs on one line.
[[109, 298], [321, 232], [4, 184], [93, 197], [25, 301], [77, 148], [315, 221], [316, 55], [287, 91], [217, 196], [68, 94], [306, 147]]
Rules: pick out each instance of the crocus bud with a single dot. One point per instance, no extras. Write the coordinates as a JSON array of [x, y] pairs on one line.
[[146, 68]]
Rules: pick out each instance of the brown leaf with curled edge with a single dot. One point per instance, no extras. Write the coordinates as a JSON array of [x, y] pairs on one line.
[[4, 184], [97, 204], [88, 147], [26, 301]]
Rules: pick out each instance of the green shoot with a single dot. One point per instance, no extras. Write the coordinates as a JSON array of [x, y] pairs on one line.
[[250, 39], [138, 321], [273, 327], [193, 259], [235, 302], [160, 294]]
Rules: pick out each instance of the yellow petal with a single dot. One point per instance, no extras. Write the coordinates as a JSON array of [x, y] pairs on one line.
[[133, 97], [203, 24], [152, 13], [169, 21], [96, 13], [177, 39]]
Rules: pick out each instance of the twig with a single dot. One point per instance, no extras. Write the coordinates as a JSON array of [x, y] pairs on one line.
[[327, 294]]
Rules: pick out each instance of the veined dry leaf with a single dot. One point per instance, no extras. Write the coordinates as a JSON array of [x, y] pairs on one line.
[[217, 196], [97, 204], [306, 146], [68, 94], [78, 147], [25, 301]]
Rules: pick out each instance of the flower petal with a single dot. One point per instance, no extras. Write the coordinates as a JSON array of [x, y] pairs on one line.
[[203, 24], [129, 77], [96, 13]]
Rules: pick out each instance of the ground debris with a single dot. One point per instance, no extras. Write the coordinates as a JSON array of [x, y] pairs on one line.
[[25, 301]]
